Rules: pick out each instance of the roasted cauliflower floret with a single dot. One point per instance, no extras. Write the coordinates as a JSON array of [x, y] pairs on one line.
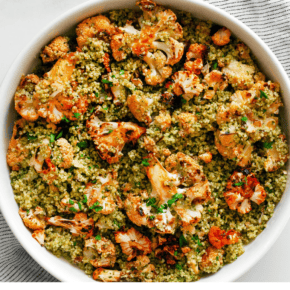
[[34, 219], [133, 241], [157, 72], [70, 205], [111, 137], [100, 253], [215, 80], [95, 27], [219, 238], [196, 51], [16, 152], [188, 123], [164, 183], [106, 275], [39, 236], [221, 37], [24, 101], [80, 225], [212, 260], [277, 154], [140, 107], [100, 196], [163, 120], [239, 75], [139, 269], [65, 158], [186, 84], [137, 210], [206, 157], [156, 43], [243, 187], [56, 49]]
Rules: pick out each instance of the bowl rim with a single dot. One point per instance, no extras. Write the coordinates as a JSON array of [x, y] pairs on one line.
[[26, 244]]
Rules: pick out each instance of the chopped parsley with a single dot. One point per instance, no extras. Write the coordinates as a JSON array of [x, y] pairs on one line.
[[97, 95], [268, 145], [263, 95], [152, 217], [59, 135], [175, 253], [244, 119], [94, 205], [182, 241], [82, 144], [29, 137], [121, 72], [178, 267], [106, 108], [98, 208], [174, 198], [196, 239], [239, 183], [77, 115], [183, 101], [151, 201], [64, 118], [145, 162], [80, 205], [52, 138], [71, 202], [73, 209], [98, 237], [107, 82], [215, 65], [85, 199], [161, 208]]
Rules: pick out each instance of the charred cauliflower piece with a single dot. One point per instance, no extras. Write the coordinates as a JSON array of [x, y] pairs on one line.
[[242, 188], [56, 49], [16, 153], [100, 196], [111, 137], [133, 241], [157, 42], [100, 253], [106, 275], [80, 225], [95, 27], [24, 100], [219, 238]]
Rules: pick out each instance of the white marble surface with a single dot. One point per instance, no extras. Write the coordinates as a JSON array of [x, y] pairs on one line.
[[20, 20]]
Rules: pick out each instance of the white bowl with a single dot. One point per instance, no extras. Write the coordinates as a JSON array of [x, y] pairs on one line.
[[28, 58]]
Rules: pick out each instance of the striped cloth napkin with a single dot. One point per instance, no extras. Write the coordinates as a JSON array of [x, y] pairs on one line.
[[268, 18]]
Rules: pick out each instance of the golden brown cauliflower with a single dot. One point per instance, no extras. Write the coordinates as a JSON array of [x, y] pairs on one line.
[[56, 49]]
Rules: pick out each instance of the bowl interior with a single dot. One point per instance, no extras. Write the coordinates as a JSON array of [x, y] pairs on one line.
[[24, 64]]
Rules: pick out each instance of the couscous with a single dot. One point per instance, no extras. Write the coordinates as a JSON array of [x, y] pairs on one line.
[[148, 146]]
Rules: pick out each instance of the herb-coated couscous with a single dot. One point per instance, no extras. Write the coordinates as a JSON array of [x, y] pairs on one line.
[[148, 146]]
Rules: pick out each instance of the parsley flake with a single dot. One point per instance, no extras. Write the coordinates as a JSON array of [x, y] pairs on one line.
[[182, 241], [64, 118], [77, 115], [145, 162], [82, 144], [98, 237], [29, 137], [263, 95], [244, 119], [268, 145]]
